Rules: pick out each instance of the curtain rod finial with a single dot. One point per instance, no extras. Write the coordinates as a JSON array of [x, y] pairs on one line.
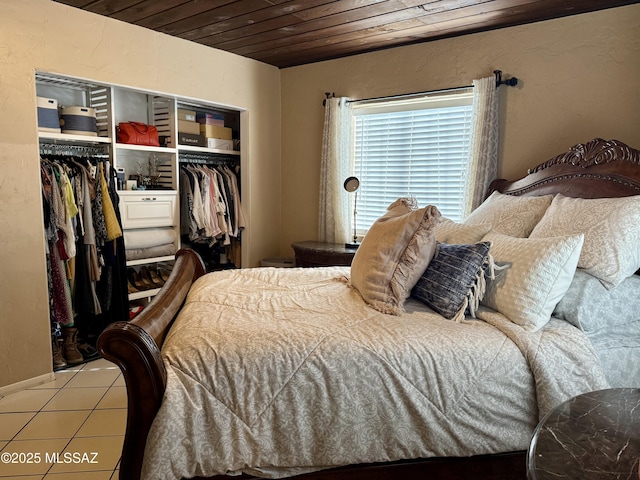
[[511, 82]]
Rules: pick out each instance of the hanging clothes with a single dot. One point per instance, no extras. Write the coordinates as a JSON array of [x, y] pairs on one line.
[[210, 203], [86, 263], [211, 215], [112, 224]]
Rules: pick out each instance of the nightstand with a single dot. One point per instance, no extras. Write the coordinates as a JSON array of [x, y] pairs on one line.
[[320, 254], [591, 437]]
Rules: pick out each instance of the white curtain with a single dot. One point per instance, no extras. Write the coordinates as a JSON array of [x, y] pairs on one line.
[[334, 218], [483, 161]]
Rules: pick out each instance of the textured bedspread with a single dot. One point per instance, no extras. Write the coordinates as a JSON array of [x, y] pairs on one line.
[[280, 371]]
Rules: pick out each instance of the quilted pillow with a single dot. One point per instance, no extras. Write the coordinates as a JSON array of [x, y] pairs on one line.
[[611, 228], [509, 214], [532, 275], [454, 279], [393, 254], [448, 231]]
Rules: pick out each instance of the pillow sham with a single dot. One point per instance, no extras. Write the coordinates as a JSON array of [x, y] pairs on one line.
[[531, 276], [591, 307], [611, 228], [509, 214], [448, 231], [393, 254], [454, 280]]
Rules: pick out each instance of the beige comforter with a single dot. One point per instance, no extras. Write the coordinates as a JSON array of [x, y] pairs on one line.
[[280, 371]]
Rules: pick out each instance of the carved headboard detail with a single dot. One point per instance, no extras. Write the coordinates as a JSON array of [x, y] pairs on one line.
[[597, 151], [598, 168]]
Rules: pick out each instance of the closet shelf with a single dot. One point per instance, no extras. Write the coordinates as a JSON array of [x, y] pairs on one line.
[[149, 191], [144, 148], [144, 261], [145, 293], [70, 138]]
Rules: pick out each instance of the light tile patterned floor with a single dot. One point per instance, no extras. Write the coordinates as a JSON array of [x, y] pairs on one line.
[[69, 429]]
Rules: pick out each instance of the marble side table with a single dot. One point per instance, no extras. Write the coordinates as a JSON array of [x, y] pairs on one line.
[[591, 436]]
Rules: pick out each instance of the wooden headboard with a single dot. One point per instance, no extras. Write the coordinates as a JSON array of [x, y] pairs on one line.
[[596, 169]]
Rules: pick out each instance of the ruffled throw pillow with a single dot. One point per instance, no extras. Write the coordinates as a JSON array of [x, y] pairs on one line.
[[393, 254]]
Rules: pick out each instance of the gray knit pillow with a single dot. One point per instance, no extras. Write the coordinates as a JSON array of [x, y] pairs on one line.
[[454, 280]]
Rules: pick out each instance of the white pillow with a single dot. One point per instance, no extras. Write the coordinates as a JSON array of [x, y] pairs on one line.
[[593, 308], [611, 228], [533, 276], [509, 214], [448, 231]]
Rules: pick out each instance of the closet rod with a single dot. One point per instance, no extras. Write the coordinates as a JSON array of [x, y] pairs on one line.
[[207, 158], [74, 150]]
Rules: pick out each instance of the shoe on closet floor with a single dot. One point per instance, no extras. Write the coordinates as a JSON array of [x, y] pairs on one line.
[[164, 272], [56, 349], [156, 278], [151, 277], [138, 281], [70, 346], [88, 351], [135, 284], [131, 288]]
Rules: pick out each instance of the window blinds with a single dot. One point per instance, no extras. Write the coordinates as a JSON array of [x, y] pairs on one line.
[[420, 152]]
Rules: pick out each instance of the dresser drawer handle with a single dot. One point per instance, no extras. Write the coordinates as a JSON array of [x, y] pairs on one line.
[[149, 199]]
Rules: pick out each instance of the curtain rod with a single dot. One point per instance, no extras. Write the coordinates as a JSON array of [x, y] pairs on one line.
[[405, 95], [511, 82]]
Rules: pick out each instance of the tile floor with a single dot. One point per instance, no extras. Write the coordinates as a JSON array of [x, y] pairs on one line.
[[71, 428]]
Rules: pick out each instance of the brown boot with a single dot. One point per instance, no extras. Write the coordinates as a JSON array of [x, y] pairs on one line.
[[70, 346], [58, 359]]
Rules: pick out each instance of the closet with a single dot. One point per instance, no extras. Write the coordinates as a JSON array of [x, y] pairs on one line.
[[185, 190]]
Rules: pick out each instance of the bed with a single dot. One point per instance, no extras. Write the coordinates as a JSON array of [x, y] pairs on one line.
[[392, 389]]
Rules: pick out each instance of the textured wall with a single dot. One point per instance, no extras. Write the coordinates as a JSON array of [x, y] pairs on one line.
[[579, 79], [43, 35]]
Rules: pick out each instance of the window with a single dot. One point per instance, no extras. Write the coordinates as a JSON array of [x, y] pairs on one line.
[[412, 147]]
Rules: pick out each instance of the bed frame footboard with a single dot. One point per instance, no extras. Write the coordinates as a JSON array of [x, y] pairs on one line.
[[135, 347]]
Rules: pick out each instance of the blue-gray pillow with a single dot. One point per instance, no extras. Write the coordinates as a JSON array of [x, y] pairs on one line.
[[453, 280]]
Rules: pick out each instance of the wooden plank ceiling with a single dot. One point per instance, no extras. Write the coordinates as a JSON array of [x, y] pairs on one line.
[[287, 33]]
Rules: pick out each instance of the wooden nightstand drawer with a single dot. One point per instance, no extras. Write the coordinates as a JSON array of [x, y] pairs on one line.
[[319, 254], [147, 209]]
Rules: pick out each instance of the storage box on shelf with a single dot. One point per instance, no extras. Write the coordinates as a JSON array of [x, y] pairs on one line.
[[186, 126], [191, 140], [48, 118], [78, 120]]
